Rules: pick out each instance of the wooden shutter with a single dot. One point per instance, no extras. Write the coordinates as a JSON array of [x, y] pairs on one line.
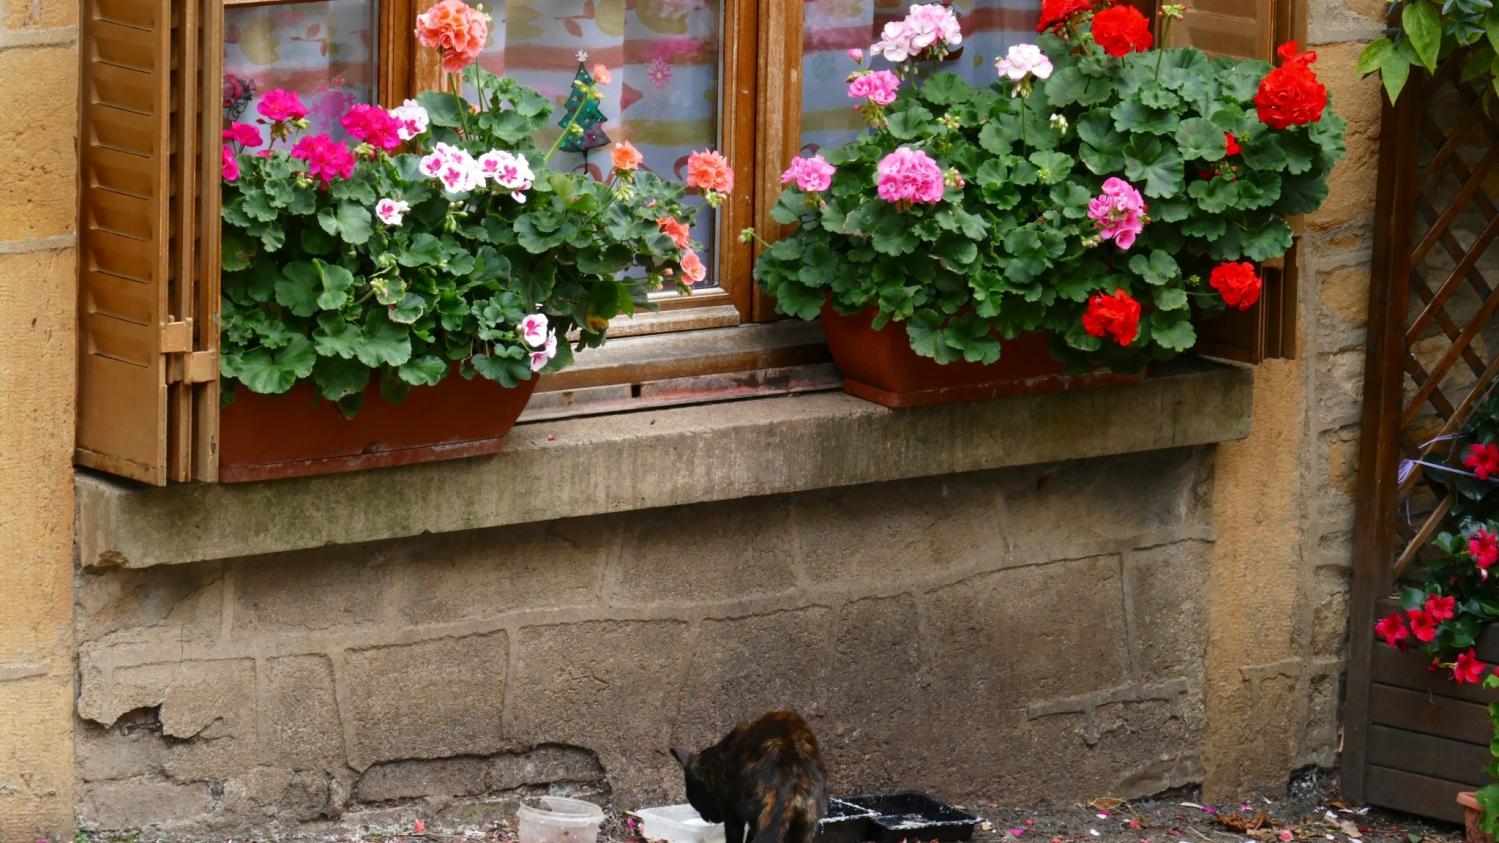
[[1250, 29], [142, 125]]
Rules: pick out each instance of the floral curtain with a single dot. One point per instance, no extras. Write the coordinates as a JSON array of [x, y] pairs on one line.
[[832, 27]]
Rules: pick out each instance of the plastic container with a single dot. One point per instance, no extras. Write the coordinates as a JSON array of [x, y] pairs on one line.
[[915, 816], [557, 819], [678, 824], [844, 823]]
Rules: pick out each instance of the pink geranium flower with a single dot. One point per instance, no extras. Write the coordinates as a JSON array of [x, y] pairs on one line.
[[243, 134], [279, 105], [925, 27], [909, 175], [1022, 61], [229, 165], [373, 125], [1118, 212], [812, 175], [878, 86], [326, 158]]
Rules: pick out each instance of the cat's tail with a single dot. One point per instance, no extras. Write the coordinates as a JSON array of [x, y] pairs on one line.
[[774, 825]]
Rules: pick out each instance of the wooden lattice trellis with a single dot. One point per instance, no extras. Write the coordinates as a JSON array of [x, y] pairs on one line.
[[1412, 738]]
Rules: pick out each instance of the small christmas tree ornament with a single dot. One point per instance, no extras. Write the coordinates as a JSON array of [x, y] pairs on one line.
[[582, 110]]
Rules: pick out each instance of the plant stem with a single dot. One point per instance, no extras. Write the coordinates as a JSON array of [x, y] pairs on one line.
[[568, 127]]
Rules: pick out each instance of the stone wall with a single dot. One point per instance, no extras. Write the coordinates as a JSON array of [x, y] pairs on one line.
[[1031, 634], [38, 96]]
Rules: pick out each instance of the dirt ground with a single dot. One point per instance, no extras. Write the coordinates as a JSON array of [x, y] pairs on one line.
[[1312, 812]]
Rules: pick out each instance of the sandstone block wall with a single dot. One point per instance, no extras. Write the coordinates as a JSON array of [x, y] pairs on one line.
[[1026, 634]]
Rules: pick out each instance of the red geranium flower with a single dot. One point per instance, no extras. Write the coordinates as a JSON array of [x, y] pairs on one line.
[[1290, 95], [1468, 668], [1056, 13], [1441, 608], [1423, 625], [1482, 460], [1392, 629], [1483, 546], [1232, 144], [1237, 283], [1117, 315], [1121, 30]]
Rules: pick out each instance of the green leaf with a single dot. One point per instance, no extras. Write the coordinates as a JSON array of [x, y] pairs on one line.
[[1268, 241], [298, 288], [994, 139], [353, 223], [1172, 331], [336, 337], [947, 88], [443, 109], [957, 252], [426, 370], [274, 373], [1157, 269], [1491, 27], [384, 343], [1170, 298], [1423, 25], [237, 250], [336, 283], [338, 379], [1199, 138], [1372, 57], [910, 123], [1394, 70], [1159, 165]]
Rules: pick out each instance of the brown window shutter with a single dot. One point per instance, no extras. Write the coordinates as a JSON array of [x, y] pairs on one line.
[[140, 131], [1250, 29]]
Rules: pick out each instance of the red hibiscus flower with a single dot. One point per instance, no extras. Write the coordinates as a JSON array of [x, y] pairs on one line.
[[1423, 625], [1468, 668], [1290, 95], [1056, 13], [1117, 315], [1237, 283], [1121, 30], [1482, 460], [1483, 546], [1232, 144], [1392, 629], [1441, 608]]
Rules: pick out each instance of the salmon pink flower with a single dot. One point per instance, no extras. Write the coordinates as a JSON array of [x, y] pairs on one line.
[[876, 86], [412, 117], [1441, 608], [1482, 459], [812, 175], [1392, 629], [456, 30], [1117, 315], [909, 175], [326, 158], [601, 74], [279, 105], [228, 164], [709, 170], [1423, 626], [373, 125], [624, 156], [692, 267], [1483, 546], [391, 211], [676, 230], [243, 134], [1468, 668]]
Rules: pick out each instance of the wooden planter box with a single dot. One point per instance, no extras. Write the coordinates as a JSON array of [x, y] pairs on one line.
[[1428, 736], [265, 437], [880, 366]]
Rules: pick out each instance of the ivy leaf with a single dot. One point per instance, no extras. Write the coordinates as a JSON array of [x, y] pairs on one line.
[[1199, 138], [426, 370], [1423, 26], [338, 379], [1394, 70], [1172, 331], [384, 343], [1372, 57], [298, 288]]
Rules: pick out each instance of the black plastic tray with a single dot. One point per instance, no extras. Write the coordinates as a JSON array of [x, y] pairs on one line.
[[845, 823], [914, 817]]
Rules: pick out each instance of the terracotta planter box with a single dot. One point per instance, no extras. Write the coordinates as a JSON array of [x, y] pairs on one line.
[[1473, 818], [264, 437], [880, 366]]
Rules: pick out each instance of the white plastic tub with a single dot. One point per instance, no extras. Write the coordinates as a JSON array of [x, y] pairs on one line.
[[677, 824], [557, 819]]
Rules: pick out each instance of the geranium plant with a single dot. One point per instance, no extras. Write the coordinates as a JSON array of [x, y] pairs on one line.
[[439, 241], [1101, 191]]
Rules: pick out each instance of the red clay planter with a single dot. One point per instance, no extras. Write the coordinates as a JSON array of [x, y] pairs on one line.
[[265, 437], [880, 366], [1473, 818]]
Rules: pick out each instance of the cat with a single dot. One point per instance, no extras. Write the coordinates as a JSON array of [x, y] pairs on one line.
[[763, 781]]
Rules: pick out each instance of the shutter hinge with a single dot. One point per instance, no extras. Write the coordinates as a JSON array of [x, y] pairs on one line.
[[184, 365]]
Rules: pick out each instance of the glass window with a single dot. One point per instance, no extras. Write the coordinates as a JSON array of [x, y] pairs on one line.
[[663, 59], [325, 51], [832, 27]]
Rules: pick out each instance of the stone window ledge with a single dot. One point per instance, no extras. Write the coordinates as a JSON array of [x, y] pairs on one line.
[[655, 458]]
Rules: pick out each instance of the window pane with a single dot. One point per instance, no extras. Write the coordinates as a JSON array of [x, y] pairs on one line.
[[325, 51], [832, 27], [663, 57]]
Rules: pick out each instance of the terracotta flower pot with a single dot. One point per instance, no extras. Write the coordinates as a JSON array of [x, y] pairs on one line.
[[1473, 818], [880, 366], [264, 437]]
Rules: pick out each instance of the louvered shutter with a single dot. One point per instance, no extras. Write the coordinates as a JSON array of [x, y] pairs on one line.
[[140, 131], [1247, 29]]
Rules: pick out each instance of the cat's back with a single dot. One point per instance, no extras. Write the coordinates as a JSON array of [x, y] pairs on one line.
[[779, 741]]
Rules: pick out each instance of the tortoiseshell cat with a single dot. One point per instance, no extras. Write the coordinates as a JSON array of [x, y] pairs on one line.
[[764, 777]]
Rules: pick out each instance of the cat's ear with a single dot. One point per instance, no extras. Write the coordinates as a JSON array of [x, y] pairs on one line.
[[683, 757]]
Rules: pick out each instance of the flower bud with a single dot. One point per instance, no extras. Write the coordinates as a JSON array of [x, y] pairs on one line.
[[1059, 122]]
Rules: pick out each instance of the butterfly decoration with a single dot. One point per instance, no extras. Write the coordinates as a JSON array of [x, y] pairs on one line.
[[238, 91]]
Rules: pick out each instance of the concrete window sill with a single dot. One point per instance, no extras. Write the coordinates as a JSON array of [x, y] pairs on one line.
[[655, 458]]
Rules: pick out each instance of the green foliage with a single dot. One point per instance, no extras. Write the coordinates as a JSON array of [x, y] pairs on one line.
[[1430, 33], [317, 289], [1010, 247]]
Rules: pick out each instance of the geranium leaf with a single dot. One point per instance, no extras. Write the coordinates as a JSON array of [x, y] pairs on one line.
[[338, 379], [1170, 298], [298, 288], [946, 88], [1158, 165], [384, 343], [336, 336], [353, 223], [1172, 331], [426, 370], [336, 282], [1198, 138]]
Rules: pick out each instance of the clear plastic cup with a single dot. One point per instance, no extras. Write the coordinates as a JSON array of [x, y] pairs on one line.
[[558, 819]]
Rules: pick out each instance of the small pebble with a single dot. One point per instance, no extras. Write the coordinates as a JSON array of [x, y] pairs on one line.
[[1094, 832]]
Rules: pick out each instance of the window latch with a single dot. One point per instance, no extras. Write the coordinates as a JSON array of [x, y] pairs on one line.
[[184, 365]]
